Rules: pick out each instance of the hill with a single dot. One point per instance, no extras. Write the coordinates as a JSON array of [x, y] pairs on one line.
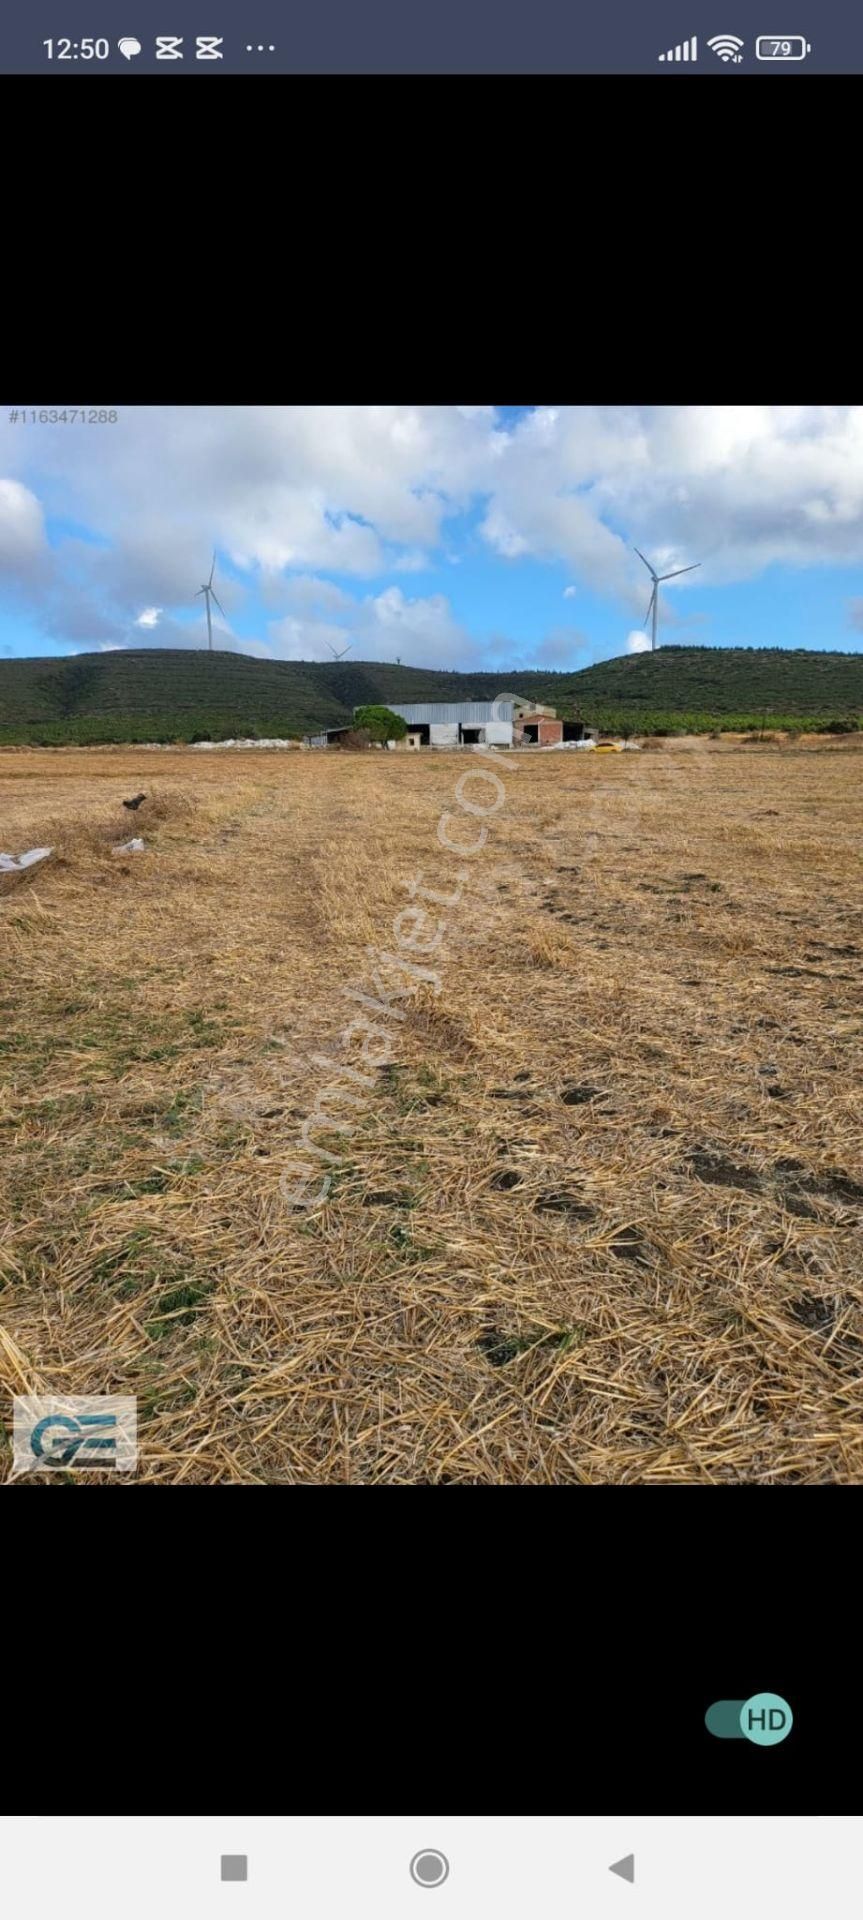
[[731, 688], [171, 694]]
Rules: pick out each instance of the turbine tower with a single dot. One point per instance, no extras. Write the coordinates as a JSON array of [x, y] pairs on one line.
[[209, 594], [653, 605]]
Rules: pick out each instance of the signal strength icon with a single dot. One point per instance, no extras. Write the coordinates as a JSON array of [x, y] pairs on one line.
[[688, 50]]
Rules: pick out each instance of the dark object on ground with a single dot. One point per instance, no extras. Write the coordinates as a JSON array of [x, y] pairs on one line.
[[134, 804], [721, 1172], [568, 1203], [629, 1245], [813, 1312], [499, 1348]]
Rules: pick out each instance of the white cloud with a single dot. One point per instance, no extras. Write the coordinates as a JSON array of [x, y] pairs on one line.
[[569, 593], [737, 488], [310, 639], [368, 492], [22, 530], [637, 643], [563, 647], [501, 534], [305, 593], [359, 491], [421, 632], [149, 617]]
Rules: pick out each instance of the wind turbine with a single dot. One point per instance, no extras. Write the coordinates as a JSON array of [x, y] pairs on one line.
[[653, 604], [339, 656], [209, 594]]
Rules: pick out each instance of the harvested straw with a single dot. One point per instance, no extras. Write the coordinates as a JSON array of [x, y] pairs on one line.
[[599, 1219]]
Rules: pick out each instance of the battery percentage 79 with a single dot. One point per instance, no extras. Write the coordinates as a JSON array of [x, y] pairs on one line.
[[792, 46]]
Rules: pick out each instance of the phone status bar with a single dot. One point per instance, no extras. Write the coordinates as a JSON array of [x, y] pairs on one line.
[[366, 37]]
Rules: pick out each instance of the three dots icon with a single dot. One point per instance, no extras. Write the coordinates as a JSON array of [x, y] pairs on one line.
[[259, 49]]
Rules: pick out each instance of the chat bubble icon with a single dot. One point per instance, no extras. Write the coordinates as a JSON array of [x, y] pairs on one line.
[[129, 47]]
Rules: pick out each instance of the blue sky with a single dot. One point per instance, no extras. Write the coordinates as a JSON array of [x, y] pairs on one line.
[[450, 536]]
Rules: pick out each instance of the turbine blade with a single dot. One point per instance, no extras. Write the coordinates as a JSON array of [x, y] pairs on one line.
[[218, 603], [679, 570], [199, 592], [212, 569], [646, 562]]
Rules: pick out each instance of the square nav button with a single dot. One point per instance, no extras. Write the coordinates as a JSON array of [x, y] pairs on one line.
[[235, 1866]]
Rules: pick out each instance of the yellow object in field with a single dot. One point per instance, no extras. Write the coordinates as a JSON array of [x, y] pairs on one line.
[[607, 746]]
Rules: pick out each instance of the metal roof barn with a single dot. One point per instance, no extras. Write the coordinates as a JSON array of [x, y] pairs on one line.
[[469, 713]]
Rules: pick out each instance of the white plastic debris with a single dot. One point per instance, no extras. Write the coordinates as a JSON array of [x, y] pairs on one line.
[[15, 863], [129, 846], [213, 746]]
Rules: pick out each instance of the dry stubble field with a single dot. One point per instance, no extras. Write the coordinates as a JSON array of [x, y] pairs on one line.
[[598, 1220]]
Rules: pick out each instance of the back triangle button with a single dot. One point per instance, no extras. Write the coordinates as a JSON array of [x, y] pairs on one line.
[[625, 1868]]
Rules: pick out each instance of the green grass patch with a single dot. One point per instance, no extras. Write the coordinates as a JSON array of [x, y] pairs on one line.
[[187, 1102], [179, 1305]]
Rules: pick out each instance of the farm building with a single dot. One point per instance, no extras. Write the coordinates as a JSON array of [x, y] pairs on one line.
[[461, 723], [328, 737], [472, 723], [536, 726]]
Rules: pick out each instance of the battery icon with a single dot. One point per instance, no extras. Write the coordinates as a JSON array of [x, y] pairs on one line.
[[786, 46]]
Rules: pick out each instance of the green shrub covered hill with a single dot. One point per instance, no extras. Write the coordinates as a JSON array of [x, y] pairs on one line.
[[177, 695]]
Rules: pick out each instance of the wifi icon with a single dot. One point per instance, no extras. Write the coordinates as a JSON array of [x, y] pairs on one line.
[[727, 47]]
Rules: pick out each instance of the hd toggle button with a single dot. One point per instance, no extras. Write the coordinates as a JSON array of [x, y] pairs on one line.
[[765, 1719]]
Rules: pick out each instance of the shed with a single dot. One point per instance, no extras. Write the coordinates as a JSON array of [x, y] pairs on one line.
[[458, 723]]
